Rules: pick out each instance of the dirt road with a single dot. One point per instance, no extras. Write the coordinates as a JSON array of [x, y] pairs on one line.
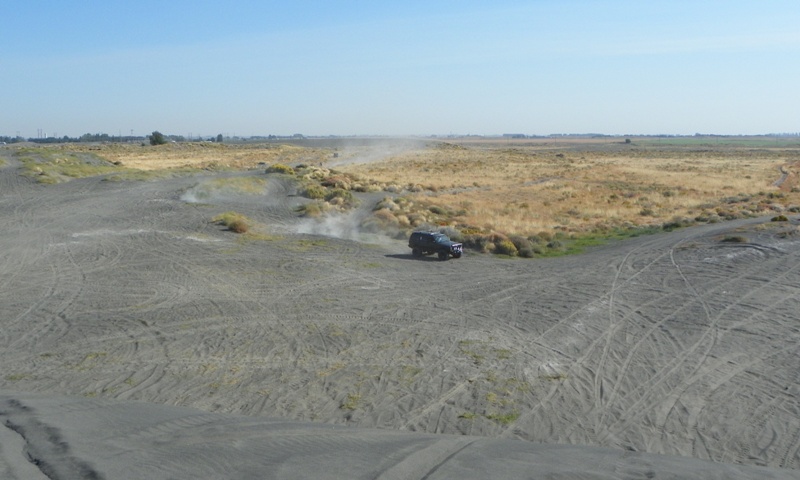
[[683, 343]]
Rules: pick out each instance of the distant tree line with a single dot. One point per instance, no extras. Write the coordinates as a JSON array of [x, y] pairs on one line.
[[156, 138]]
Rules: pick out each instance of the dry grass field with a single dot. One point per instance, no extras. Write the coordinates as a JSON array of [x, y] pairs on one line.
[[530, 188], [206, 155]]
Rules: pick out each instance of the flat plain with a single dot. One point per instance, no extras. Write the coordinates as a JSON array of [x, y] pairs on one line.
[[682, 343]]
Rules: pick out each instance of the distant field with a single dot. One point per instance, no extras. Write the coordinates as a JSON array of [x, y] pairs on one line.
[[530, 187]]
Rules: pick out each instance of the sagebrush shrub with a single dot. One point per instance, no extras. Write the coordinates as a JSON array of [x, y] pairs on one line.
[[280, 168], [235, 222], [238, 226], [314, 192], [734, 239], [505, 247]]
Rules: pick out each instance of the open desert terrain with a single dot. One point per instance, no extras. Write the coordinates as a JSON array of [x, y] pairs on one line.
[[140, 338]]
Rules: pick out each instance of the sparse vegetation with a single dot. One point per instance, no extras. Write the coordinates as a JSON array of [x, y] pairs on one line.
[[503, 418], [351, 402], [734, 239], [578, 195], [227, 185], [235, 222], [314, 192], [52, 165], [280, 168], [313, 210]]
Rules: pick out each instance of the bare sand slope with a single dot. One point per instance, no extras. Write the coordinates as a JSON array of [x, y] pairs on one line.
[[64, 438], [679, 344]]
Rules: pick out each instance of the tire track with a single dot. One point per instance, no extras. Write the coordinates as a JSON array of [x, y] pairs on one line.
[[709, 336]]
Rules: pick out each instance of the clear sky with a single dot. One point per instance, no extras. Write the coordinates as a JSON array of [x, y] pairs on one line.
[[400, 67]]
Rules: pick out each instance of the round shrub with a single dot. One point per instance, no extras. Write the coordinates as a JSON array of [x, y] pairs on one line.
[[314, 192], [526, 252], [313, 210], [521, 243], [476, 241], [339, 196], [338, 182], [235, 222], [453, 234], [505, 247], [238, 226], [280, 168], [386, 217]]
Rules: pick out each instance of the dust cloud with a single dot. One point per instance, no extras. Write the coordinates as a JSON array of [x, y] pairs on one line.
[[345, 226], [357, 153]]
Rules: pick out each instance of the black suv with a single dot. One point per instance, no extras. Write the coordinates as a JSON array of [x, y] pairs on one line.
[[427, 243]]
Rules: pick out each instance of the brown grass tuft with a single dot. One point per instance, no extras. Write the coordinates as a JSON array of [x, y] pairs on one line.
[[235, 222]]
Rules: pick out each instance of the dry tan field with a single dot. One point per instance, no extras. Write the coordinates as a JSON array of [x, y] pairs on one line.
[[581, 187]]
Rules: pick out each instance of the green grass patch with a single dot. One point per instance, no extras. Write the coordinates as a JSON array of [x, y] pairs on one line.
[[580, 243]]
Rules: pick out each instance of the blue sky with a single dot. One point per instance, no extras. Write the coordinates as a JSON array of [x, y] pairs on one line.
[[400, 68]]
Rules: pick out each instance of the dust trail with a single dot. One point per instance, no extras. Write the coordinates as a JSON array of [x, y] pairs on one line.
[[226, 189], [346, 226], [355, 154]]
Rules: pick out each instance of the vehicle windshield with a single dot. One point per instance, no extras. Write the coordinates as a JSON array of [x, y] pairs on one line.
[[442, 239]]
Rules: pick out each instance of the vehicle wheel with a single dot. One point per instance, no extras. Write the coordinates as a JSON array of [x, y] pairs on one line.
[[456, 255], [443, 255], [416, 252]]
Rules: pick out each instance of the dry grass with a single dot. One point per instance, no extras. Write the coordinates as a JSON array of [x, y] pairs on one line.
[[537, 188], [202, 155], [235, 222]]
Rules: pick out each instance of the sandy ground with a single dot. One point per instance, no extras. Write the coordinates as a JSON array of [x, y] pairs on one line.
[[140, 340]]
